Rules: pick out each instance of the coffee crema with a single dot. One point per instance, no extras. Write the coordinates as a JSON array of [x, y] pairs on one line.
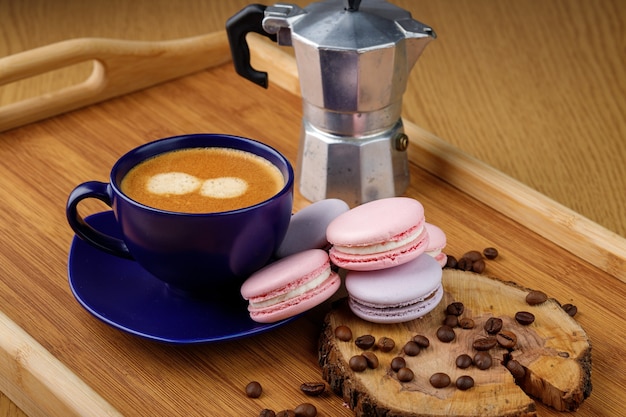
[[203, 180]]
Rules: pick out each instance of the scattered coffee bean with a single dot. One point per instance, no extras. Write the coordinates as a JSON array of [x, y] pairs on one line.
[[385, 344], [313, 389], [464, 382], [484, 343], [478, 266], [490, 253], [446, 334], [266, 412], [570, 309], [516, 369], [524, 318], [397, 363], [464, 361], [371, 358], [464, 264], [421, 340], [506, 339], [305, 410], [534, 297], [365, 342], [482, 360], [405, 374], [254, 389], [411, 348], [286, 413], [451, 320], [343, 333], [456, 308], [358, 363], [493, 325], [466, 323], [439, 380], [473, 255], [451, 262]]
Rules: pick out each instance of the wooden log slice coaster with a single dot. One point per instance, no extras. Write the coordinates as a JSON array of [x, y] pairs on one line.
[[554, 353]]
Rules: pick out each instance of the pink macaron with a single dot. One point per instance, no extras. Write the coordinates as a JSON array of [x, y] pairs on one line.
[[397, 294], [290, 286], [379, 234], [436, 243]]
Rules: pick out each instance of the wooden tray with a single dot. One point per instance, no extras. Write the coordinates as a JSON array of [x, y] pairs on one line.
[[56, 359]]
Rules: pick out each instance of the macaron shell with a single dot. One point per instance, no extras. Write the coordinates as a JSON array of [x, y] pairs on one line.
[[436, 237], [383, 260], [299, 304], [376, 221], [395, 286], [397, 315], [307, 228], [284, 273]]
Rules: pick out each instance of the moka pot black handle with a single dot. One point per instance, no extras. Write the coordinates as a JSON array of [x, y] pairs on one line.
[[249, 19]]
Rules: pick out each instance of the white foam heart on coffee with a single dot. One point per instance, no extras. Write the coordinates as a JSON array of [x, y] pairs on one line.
[[224, 187], [177, 183]]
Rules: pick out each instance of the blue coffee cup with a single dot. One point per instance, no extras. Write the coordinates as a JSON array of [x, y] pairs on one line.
[[189, 251]]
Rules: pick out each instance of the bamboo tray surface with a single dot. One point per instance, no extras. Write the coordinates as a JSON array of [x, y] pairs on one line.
[[56, 359]]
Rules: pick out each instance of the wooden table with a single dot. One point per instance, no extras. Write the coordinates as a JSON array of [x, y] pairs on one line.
[[56, 338]]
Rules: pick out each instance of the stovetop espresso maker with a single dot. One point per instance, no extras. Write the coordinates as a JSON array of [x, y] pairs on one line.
[[353, 62]]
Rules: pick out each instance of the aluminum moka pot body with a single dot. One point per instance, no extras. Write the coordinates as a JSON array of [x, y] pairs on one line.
[[353, 64]]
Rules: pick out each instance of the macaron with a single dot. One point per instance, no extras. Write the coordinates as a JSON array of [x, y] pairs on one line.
[[307, 227], [379, 234], [397, 294], [290, 286], [436, 243]]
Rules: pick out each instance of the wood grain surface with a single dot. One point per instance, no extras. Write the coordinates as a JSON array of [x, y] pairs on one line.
[[536, 89], [585, 124]]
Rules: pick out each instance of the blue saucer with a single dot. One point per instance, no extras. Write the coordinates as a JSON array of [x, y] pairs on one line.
[[124, 295]]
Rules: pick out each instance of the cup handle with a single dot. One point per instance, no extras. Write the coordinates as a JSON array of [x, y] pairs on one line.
[[102, 241]]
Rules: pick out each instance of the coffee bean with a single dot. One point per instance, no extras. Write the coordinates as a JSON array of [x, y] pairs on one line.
[[446, 334], [371, 358], [570, 309], [464, 264], [254, 389], [421, 340], [464, 361], [343, 333], [534, 297], [493, 325], [524, 318], [439, 380], [516, 369], [385, 344], [482, 360], [305, 410], [456, 308], [490, 253], [485, 343], [479, 266], [358, 363], [313, 389], [286, 413], [266, 412], [397, 363], [365, 342], [506, 339], [451, 320], [451, 262], [466, 323], [464, 382], [405, 374], [411, 348], [473, 255]]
